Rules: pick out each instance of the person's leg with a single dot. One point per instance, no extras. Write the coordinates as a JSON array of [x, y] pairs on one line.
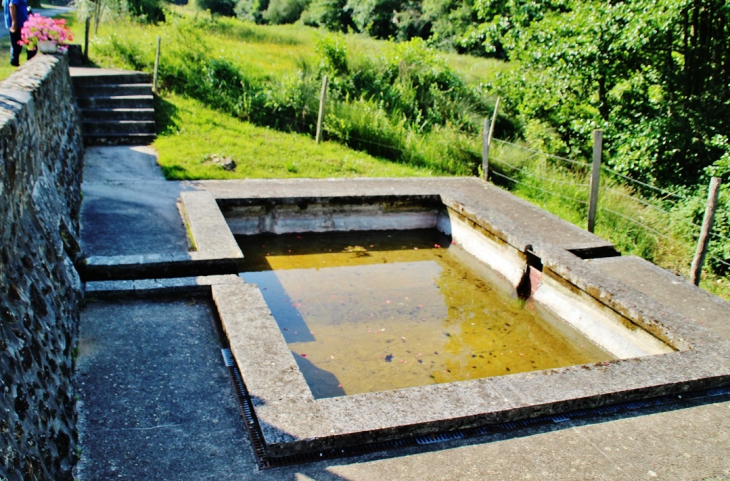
[[15, 48]]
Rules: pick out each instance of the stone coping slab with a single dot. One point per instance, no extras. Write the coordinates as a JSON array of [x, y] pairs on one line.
[[211, 236], [514, 220], [216, 249], [292, 421], [671, 290], [95, 268]]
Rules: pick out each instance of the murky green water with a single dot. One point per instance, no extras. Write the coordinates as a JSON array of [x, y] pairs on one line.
[[373, 311]]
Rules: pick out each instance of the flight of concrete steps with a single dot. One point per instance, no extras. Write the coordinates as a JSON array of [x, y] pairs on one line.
[[116, 106]]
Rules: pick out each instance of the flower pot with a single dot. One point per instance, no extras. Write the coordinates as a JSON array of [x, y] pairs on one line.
[[47, 46]]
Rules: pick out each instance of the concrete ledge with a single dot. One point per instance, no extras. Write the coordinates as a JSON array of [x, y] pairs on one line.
[[510, 218], [292, 421], [212, 237], [145, 266], [156, 287], [664, 287]]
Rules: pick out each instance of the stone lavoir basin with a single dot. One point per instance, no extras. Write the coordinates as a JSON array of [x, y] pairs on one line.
[[379, 310], [370, 310]]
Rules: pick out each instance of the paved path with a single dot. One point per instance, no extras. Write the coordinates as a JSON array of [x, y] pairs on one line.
[[128, 206], [156, 402]]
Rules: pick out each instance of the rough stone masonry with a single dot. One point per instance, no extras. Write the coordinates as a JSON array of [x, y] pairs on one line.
[[41, 153]]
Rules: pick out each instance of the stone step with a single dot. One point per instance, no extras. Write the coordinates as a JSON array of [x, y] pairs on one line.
[[118, 114], [99, 77], [116, 102], [118, 139], [119, 127], [109, 90]]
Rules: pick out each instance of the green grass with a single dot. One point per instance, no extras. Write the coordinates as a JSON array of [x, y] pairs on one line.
[[191, 132]]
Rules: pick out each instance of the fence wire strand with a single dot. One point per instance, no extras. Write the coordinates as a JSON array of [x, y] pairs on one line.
[[532, 174], [538, 152], [661, 234], [538, 188], [626, 177], [659, 209]]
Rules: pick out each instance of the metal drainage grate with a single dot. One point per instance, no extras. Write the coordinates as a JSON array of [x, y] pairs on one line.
[[265, 462], [439, 438]]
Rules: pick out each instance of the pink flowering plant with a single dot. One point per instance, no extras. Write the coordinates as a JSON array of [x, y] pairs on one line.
[[39, 28]]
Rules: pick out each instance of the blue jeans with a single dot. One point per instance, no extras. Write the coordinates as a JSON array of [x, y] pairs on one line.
[[16, 48]]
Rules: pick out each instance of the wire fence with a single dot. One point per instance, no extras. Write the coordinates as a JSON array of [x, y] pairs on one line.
[[654, 203], [527, 177]]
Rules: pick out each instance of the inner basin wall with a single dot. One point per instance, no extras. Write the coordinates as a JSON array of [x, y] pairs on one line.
[[287, 216], [601, 324]]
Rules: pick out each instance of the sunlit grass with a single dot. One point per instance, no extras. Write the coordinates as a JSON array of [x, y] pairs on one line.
[[191, 133]]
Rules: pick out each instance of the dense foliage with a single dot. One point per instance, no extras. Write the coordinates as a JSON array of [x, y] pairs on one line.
[[654, 74]]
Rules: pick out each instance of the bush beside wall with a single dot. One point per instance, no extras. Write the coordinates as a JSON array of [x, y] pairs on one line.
[[41, 153]]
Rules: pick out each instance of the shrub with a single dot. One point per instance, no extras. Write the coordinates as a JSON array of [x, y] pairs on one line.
[[220, 7], [330, 14], [251, 10], [284, 11]]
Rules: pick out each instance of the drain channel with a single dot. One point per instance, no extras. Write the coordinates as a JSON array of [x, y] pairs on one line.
[[265, 462]]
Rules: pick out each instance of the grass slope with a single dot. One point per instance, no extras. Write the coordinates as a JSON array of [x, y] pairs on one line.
[[191, 132]]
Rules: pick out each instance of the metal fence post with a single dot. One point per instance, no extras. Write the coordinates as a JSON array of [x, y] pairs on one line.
[[704, 240], [595, 178]]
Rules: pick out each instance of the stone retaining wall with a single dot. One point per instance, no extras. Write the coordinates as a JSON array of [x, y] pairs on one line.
[[41, 152]]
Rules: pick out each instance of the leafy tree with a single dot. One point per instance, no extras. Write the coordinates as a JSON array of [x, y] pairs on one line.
[[330, 14], [220, 7], [284, 11], [652, 73], [251, 10], [448, 21], [375, 17]]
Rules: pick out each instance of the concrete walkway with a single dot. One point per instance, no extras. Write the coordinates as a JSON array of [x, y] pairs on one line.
[[156, 401]]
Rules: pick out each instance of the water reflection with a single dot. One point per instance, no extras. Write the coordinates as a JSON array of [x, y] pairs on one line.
[[387, 310]]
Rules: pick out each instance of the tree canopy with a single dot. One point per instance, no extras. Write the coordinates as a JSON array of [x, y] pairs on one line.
[[654, 74]]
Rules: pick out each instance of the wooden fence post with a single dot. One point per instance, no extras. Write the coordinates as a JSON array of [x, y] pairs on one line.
[[157, 65], [485, 150], [704, 240], [487, 140], [494, 120], [595, 178], [320, 117], [86, 39]]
